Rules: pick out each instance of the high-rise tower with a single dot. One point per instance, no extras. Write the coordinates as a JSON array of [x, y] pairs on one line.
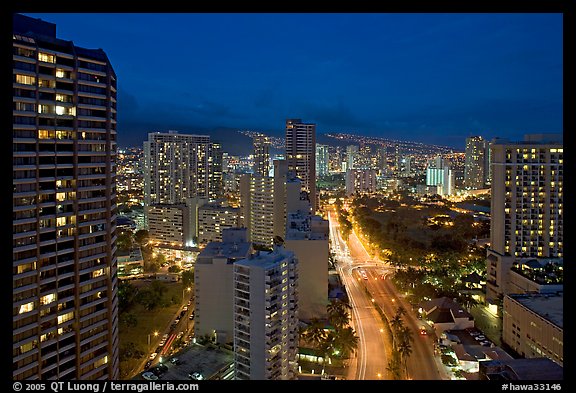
[[64, 297], [301, 154]]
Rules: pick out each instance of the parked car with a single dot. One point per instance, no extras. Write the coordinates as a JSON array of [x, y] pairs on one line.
[[197, 376], [149, 376], [175, 361], [153, 355]]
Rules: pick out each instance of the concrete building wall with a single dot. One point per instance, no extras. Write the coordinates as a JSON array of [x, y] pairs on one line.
[[214, 283], [530, 333], [313, 268]]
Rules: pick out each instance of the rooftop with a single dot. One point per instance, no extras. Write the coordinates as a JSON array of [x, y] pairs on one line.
[[523, 369], [533, 139], [266, 259], [439, 307], [548, 306], [224, 250], [299, 227]]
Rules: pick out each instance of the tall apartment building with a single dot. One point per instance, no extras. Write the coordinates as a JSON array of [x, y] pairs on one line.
[[301, 154], [261, 210], [360, 181], [214, 284], [261, 144], [266, 316], [440, 174], [168, 224], [178, 167], [527, 207], [397, 159], [64, 282], [407, 167], [263, 204], [533, 325], [322, 160], [477, 164], [352, 152], [213, 219], [382, 160]]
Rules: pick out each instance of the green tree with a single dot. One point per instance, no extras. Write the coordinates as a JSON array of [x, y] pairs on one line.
[[126, 294], [124, 240], [405, 346], [160, 259], [346, 341], [141, 237], [314, 333], [158, 288], [338, 313], [188, 277], [148, 299], [151, 267], [174, 269], [128, 319], [394, 366]]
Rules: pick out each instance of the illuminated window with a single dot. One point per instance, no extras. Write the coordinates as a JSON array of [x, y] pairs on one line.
[[47, 299], [25, 79], [26, 308], [65, 317], [45, 134], [101, 362], [97, 273], [63, 98], [28, 346], [62, 110], [45, 109], [45, 57], [26, 267]]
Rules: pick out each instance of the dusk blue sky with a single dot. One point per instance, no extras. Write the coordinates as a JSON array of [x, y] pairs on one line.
[[434, 78]]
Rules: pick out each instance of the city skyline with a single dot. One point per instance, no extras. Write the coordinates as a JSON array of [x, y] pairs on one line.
[[438, 78], [323, 254]]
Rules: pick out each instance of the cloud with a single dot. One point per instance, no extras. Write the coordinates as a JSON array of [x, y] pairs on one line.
[[335, 115]]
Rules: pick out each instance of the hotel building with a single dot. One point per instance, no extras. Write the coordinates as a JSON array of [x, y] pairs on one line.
[[527, 206]]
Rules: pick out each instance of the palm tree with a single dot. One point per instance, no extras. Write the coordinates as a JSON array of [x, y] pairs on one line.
[[394, 366], [326, 347], [397, 324], [337, 313], [346, 341], [315, 333], [405, 346]]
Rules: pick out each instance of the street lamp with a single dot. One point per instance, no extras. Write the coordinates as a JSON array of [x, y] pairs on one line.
[[155, 335], [185, 289]]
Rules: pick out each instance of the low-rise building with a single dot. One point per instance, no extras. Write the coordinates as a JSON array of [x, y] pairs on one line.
[[445, 314], [533, 325], [521, 370]]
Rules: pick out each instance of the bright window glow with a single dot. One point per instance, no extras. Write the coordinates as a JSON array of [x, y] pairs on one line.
[[46, 57], [65, 317], [48, 299], [26, 308]]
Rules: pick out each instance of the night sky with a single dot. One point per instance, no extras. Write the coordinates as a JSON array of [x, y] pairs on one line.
[[434, 78]]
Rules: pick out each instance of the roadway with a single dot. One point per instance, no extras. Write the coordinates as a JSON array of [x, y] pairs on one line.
[[371, 358], [374, 351]]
